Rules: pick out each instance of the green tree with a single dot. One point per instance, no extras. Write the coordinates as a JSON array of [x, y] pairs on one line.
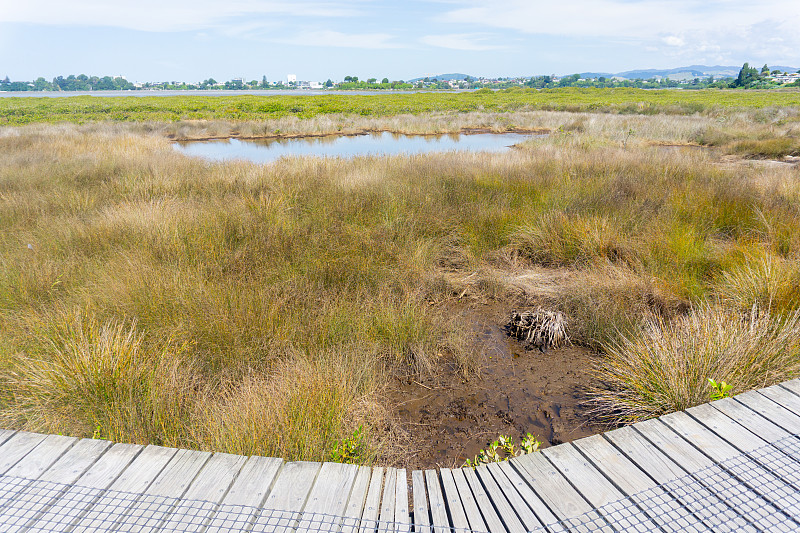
[[765, 70], [747, 76], [384, 81], [329, 83]]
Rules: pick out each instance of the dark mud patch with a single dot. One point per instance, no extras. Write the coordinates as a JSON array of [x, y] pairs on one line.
[[519, 391]]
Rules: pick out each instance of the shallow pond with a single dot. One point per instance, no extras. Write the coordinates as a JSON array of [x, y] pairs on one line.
[[267, 150]]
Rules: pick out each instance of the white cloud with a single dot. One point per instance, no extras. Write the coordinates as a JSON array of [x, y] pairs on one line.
[[343, 40], [163, 15], [461, 41], [673, 40], [691, 29]]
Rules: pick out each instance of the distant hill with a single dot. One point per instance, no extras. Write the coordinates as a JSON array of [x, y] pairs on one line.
[[446, 77], [692, 71]]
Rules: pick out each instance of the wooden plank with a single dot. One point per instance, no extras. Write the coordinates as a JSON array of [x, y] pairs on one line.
[[47, 452], [115, 504], [372, 504], [783, 396], [551, 486], [716, 447], [471, 509], [792, 385], [707, 506], [747, 499], [504, 509], [451, 497], [87, 490], [750, 419], [355, 502], [247, 493], [543, 514], [422, 519], [5, 434], [17, 447], [727, 428], [76, 461], [436, 502], [388, 501], [287, 498], [493, 522], [253, 483], [328, 497], [769, 410], [213, 481], [292, 486], [590, 483], [53, 480], [203, 497], [401, 515], [662, 508], [673, 445], [642, 453], [526, 516]]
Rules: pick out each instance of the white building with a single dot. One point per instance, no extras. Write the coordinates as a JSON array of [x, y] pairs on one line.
[[291, 78]]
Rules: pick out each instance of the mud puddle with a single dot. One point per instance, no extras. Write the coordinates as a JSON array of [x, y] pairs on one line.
[[518, 391]]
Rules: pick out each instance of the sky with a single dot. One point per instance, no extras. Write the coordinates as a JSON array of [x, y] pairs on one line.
[[191, 40]]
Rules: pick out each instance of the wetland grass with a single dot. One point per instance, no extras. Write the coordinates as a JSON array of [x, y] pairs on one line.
[[149, 297]]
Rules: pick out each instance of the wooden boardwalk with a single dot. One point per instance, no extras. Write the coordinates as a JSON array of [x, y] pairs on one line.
[[731, 465]]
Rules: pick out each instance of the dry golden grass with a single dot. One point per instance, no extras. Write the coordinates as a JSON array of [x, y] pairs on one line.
[[150, 297]]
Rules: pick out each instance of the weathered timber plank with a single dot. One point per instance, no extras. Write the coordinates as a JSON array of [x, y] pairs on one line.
[[79, 498], [401, 515], [738, 497], [750, 419], [328, 498], [792, 385], [52, 483], [436, 502], [727, 428], [660, 507], [247, 493], [203, 497], [551, 486], [523, 490], [5, 434], [388, 501], [458, 518], [786, 397], [422, 519], [471, 509], [17, 447], [355, 502], [770, 410], [694, 496], [115, 503], [493, 522], [372, 504], [505, 511], [590, 483], [287, 498], [522, 508]]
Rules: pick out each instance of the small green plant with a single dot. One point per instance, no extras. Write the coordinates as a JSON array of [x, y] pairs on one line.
[[719, 390], [350, 449], [503, 449]]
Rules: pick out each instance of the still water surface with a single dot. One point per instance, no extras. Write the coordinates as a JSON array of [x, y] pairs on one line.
[[268, 150]]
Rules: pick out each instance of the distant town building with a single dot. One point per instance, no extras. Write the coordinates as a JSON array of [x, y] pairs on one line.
[[291, 78]]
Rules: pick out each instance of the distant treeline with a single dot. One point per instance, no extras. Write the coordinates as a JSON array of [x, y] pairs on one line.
[[748, 78]]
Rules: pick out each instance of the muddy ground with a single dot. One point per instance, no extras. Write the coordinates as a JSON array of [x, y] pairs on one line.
[[449, 419]]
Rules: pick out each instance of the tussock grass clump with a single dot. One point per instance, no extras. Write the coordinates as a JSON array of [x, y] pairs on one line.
[[103, 376], [559, 239], [767, 282], [540, 329], [664, 365]]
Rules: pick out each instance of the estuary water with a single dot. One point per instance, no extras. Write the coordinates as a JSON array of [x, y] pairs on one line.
[[268, 150]]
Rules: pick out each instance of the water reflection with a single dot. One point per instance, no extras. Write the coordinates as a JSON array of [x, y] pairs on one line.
[[267, 150]]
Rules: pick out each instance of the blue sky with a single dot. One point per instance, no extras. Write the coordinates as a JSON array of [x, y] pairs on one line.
[[149, 40]]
